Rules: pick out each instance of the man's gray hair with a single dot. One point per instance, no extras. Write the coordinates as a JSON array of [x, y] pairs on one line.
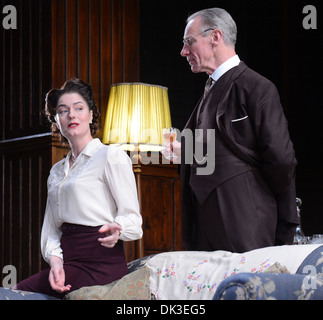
[[219, 19]]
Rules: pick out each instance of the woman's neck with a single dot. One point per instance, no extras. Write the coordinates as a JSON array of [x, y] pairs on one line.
[[78, 145]]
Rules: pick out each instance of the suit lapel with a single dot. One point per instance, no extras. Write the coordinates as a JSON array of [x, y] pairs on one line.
[[223, 122], [226, 92], [213, 97], [191, 123]]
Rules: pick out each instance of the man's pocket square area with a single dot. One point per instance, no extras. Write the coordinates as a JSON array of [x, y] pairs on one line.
[[240, 119]]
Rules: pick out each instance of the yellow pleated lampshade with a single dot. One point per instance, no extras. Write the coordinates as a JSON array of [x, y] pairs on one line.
[[136, 115]]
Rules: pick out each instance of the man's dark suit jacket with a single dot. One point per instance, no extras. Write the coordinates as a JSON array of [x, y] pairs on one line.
[[245, 111]]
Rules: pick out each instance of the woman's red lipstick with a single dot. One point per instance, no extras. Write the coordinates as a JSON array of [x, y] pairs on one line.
[[73, 124]]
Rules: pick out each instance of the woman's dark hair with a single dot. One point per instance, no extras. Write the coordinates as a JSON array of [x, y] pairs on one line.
[[72, 86]]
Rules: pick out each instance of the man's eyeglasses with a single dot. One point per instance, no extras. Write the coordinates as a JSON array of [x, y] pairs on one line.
[[189, 41]]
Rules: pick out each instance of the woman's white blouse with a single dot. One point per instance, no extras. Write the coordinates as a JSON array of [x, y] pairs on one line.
[[99, 188]]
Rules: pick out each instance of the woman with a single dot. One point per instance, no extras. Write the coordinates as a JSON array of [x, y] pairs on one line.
[[92, 201]]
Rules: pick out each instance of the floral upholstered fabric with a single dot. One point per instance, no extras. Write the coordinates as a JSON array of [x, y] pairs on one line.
[[265, 286], [9, 294], [306, 284], [196, 275]]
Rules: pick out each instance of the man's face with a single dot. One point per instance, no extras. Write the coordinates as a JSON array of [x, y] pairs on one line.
[[198, 49]]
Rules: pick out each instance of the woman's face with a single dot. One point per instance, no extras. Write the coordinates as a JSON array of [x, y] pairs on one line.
[[73, 116]]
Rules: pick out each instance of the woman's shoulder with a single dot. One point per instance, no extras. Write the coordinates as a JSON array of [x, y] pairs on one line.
[[116, 155]]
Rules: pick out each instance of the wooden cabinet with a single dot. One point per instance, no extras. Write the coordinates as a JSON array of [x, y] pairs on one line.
[[25, 165], [161, 211], [160, 201], [159, 196]]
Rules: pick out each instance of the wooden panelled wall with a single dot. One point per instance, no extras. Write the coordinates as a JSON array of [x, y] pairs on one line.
[[25, 69], [25, 145], [55, 40], [97, 41]]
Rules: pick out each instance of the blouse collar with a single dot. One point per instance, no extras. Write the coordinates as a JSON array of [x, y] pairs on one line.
[[89, 150]]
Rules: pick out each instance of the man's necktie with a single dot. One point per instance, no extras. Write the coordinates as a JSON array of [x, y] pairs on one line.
[[208, 86]]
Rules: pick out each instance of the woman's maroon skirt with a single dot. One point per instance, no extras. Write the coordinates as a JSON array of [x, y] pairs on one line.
[[86, 262]]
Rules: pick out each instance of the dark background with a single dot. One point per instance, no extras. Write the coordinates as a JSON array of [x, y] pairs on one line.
[[273, 42]]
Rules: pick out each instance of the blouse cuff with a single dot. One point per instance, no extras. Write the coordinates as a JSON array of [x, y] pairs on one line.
[[130, 230], [57, 253]]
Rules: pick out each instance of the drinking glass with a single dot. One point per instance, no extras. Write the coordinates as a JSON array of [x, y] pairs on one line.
[[169, 136], [317, 239]]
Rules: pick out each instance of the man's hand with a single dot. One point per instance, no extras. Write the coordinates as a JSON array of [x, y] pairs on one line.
[[175, 148]]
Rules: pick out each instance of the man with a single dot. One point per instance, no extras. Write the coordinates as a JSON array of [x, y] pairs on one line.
[[247, 200]]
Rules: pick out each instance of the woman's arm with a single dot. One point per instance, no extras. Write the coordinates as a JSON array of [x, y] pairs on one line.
[[121, 181]]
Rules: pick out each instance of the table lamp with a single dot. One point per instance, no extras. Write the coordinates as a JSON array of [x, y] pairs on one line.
[[136, 116]]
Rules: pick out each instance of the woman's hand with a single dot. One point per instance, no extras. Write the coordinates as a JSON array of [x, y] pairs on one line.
[[112, 231], [57, 275]]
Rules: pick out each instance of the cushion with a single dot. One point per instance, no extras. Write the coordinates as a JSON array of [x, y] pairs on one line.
[[306, 284], [133, 286], [269, 286], [197, 274], [10, 294]]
